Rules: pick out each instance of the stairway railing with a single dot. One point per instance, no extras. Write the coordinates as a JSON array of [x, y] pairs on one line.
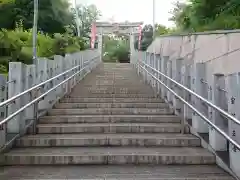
[[209, 108], [227, 115], [79, 71]]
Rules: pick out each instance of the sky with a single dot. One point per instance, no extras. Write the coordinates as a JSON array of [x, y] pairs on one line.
[[133, 10]]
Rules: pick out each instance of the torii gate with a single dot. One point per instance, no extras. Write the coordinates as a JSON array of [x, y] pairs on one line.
[[126, 28]]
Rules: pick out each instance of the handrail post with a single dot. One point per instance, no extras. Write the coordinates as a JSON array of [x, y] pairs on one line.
[[75, 64], [198, 85], [68, 66], [164, 71], [218, 142], [35, 117], [139, 55], [145, 73], [16, 125], [169, 83], [3, 110], [233, 95], [58, 61], [186, 81], [152, 58], [151, 63], [158, 59], [71, 62], [51, 73], [30, 77], [79, 64], [148, 56], [176, 66], [155, 73], [62, 78], [42, 70]]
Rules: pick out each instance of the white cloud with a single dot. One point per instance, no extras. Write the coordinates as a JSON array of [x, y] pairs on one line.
[[133, 10]]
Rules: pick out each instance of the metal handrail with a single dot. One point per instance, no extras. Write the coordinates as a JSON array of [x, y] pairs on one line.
[[227, 115], [8, 101], [41, 96], [235, 143]]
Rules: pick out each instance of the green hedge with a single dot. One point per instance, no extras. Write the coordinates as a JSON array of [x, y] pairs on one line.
[[16, 45]]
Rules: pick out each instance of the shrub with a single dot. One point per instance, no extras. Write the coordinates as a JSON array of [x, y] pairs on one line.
[[16, 45], [121, 52]]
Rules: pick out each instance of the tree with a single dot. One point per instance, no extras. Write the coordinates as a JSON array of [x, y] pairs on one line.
[[181, 15], [87, 15], [161, 29], [201, 15], [147, 35], [7, 15], [53, 15]]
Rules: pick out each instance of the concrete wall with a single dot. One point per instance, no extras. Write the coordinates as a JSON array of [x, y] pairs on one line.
[[219, 51]]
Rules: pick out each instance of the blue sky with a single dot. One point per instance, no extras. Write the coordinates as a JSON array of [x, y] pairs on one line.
[[133, 10]]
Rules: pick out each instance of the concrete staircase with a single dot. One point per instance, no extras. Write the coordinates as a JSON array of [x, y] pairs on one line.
[[113, 122]]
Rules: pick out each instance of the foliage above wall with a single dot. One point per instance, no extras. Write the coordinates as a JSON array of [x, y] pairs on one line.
[[195, 16], [202, 15], [16, 45]]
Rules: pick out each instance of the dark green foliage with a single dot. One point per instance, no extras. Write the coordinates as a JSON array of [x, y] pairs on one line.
[[122, 53], [53, 15], [202, 15], [147, 35], [16, 45], [147, 38]]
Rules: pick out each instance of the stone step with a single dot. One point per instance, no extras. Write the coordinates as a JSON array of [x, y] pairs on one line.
[[109, 128], [110, 92], [100, 95], [110, 105], [114, 172], [118, 74], [112, 88], [113, 100], [110, 111], [114, 82], [113, 77], [111, 83], [133, 79], [89, 140], [108, 155], [117, 79], [110, 119]]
